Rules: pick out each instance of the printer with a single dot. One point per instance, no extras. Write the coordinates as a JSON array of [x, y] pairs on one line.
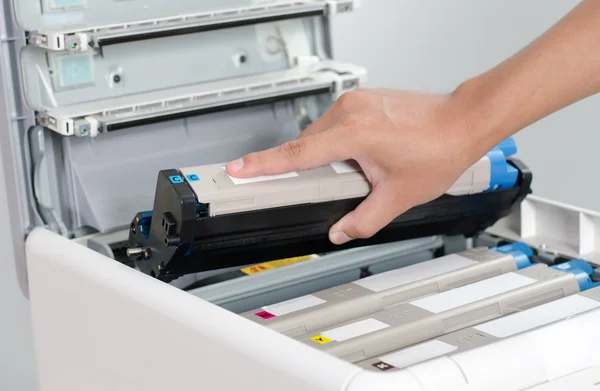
[[149, 268]]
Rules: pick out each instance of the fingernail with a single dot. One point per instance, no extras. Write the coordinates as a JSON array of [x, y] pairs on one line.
[[339, 237], [235, 165]]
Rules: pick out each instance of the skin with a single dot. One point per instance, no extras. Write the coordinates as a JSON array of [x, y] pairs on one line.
[[413, 146]]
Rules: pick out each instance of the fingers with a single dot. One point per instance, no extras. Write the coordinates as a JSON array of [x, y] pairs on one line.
[[381, 207], [300, 154], [349, 103]]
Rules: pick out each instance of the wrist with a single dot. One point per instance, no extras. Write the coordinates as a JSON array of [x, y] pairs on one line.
[[481, 116]]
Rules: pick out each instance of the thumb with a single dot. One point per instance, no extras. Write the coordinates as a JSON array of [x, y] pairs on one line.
[[374, 213], [300, 154]]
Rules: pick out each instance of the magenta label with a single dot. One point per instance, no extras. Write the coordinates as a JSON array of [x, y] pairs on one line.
[[265, 315]]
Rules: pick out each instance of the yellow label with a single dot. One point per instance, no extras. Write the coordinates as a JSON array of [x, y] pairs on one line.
[[320, 339], [275, 264]]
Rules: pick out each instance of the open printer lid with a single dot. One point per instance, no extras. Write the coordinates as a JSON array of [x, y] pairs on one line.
[[247, 76]]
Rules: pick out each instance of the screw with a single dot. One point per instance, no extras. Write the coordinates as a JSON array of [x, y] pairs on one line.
[[147, 254], [242, 59], [117, 78], [134, 251]]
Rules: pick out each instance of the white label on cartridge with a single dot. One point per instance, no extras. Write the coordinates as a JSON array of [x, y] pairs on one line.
[[345, 167], [354, 330], [243, 181], [538, 316], [473, 292], [418, 353], [416, 272], [293, 305]]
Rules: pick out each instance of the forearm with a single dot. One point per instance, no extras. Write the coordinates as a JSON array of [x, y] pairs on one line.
[[556, 70]]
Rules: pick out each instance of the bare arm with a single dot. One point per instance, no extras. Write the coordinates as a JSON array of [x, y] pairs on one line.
[[558, 69], [413, 146]]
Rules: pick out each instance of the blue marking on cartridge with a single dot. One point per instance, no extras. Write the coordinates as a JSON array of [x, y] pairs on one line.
[[502, 174], [519, 251], [508, 147], [175, 179], [581, 270], [575, 264], [193, 177], [144, 223], [516, 246]]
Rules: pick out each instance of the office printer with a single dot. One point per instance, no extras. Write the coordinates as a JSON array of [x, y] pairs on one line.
[[146, 264]]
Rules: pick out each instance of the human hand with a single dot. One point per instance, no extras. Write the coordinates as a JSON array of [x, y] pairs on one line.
[[412, 147]]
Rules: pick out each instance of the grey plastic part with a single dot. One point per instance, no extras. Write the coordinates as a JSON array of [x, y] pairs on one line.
[[44, 188], [464, 340], [410, 324], [351, 301], [58, 79], [15, 119], [114, 176], [78, 15], [318, 184], [329, 270]]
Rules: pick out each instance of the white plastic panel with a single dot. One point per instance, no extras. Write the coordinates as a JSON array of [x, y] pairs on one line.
[[553, 227], [86, 15], [81, 300], [99, 325], [586, 380]]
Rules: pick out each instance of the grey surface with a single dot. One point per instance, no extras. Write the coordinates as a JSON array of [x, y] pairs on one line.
[[302, 278], [114, 175], [433, 45], [350, 301], [318, 184], [410, 324], [158, 64], [471, 338], [40, 14], [17, 365]]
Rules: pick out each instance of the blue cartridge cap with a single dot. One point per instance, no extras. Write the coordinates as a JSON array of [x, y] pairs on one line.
[[502, 174], [508, 147], [519, 251], [516, 246], [581, 270], [579, 264], [521, 259]]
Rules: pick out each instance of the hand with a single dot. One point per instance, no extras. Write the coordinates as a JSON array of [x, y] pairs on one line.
[[412, 147]]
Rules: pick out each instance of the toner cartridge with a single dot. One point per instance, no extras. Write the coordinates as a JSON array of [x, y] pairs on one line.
[[432, 316], [203, 219], [488, 332], [349, 301]]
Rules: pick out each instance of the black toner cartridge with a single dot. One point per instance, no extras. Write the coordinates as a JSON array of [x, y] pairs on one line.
[[204, 219]]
